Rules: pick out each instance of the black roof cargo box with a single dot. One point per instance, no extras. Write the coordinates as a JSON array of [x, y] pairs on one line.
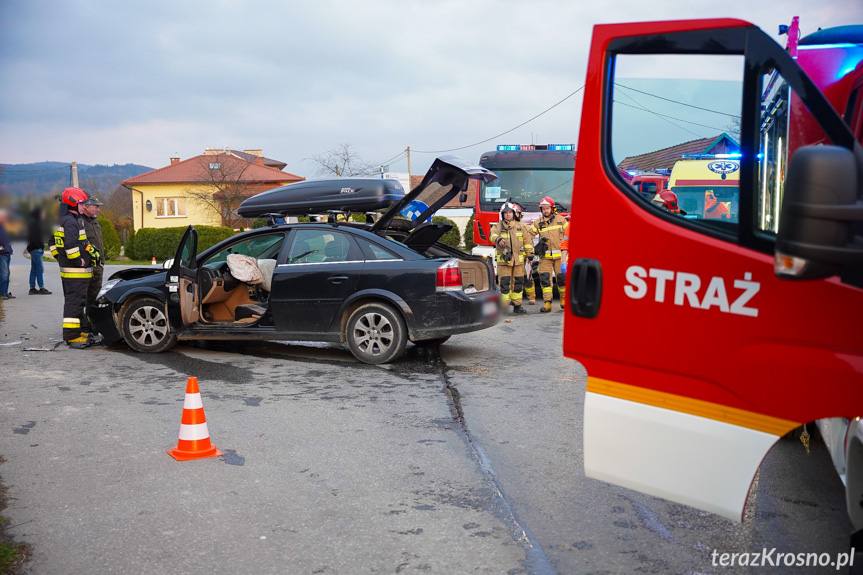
[[320, 196]]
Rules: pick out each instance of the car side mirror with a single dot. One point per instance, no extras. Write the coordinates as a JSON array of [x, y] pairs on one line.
[[462, 197], [816, 236]]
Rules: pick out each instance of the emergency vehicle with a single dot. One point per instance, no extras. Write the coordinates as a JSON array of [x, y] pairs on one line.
[[527, 173], [744, 355]]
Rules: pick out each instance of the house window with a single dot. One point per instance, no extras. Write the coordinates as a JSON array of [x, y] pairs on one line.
[[215, 166], [170, 207]]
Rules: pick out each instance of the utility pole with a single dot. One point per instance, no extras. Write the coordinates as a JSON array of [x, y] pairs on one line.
[[409, 166], [74, 174]]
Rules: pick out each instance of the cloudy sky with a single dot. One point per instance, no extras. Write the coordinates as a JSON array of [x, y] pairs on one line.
[[137, 82]]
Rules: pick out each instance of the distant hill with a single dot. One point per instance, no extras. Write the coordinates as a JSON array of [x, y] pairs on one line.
[[49, 178]]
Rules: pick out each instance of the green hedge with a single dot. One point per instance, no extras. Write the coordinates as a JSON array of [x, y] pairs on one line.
[[110, 239], [162, 243], [130, 244], [468, 236], [452, 237]]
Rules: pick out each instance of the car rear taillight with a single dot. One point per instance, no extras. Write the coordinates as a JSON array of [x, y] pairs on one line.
[[448, 277]]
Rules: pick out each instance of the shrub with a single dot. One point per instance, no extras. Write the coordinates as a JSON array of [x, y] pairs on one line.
[[259, 223], [110, 239], [468, 236], [452, 237], [130, 244], [162, 243]]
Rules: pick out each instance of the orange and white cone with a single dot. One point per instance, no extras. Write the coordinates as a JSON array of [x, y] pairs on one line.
[[154, 261], [194, 440]]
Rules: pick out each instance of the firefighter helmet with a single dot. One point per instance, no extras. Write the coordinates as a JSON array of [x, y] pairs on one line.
[[508, 206], [73, 196], [519, 211], [669, 198], [546, 201]]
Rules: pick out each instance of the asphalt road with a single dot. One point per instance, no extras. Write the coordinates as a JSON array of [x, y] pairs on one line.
[[466, 461]]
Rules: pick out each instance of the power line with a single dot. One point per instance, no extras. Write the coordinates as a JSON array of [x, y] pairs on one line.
[[639, 106], [394, 158], [671, 117], [502, 133], [676, 102]]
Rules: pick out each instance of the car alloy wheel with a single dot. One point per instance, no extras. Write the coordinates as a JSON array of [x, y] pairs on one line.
[[376, 333], [145, 326], [148, 326]]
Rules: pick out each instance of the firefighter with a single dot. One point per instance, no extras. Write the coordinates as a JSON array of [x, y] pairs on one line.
[[89, 215], [549, 228], [512, 243], [75, 254], [527, 280]]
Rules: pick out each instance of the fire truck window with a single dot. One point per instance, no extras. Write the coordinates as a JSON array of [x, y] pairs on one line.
[[777, 136], [675, 127]]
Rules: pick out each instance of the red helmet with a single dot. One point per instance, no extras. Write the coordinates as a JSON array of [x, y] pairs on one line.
[[669, 198], [546, 201], [74, 196]]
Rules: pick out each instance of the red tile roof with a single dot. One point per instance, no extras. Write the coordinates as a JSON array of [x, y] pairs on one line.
[[666, 158], [196, 171]]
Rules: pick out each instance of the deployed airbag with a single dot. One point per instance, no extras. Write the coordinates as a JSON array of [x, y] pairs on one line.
[[245, 268], [267, 268]]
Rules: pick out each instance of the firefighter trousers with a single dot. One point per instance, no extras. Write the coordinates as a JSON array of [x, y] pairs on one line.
[[92, 291], [511, 278], [75, 299], [549, 267]]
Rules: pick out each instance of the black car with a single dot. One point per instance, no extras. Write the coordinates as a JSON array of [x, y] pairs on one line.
[[373, 286]]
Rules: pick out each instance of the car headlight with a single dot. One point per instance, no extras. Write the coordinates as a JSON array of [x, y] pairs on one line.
[[107, 287]]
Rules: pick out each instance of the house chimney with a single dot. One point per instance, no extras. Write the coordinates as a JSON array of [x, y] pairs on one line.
[[175, 160], [259, 161], [257, 153]]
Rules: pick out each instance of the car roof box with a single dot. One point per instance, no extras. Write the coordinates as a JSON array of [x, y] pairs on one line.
[[321, 196]]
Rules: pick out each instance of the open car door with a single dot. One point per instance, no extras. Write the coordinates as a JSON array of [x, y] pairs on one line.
[[181, 281], [698, 356]]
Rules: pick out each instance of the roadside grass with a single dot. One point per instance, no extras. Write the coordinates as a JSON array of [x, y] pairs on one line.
[[12, 554]]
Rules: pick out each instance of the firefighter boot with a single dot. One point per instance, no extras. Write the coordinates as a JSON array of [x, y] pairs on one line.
[[518, 310], [546, 307], [79, 342]]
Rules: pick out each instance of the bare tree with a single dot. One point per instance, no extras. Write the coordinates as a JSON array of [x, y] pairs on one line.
[[341, 161], [220, 186], [733, 128]]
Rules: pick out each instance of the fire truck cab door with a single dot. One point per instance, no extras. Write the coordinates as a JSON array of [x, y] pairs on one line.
[[698, 357]]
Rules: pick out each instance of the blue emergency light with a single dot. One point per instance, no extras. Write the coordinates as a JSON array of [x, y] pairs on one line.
[[712, 156], [534, 147]]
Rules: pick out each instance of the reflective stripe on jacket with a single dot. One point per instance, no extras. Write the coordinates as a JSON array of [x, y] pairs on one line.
[[553, 230], [70, 244], [516, 239]]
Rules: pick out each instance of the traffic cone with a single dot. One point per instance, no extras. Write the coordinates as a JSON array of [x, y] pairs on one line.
[[194, 440], [154, 261]]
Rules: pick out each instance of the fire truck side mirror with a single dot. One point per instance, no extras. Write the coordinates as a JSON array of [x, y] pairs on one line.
[[816, 226]]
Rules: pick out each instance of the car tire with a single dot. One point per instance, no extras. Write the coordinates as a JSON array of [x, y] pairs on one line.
[[145, 328], [432, 342], [376, 333]]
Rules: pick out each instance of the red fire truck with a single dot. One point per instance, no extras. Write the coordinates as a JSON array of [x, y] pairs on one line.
[[700, 352], [527, 173]]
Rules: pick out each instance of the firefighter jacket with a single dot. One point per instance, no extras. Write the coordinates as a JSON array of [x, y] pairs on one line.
[[564, 244], [73, 251], [552, 229], [516, 242], [94, 236]]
